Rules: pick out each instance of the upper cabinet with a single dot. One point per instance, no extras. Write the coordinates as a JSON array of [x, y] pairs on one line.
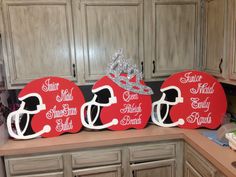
[[39, 40], [232, 30], [215, 37], [76, 39], [172, 36], [220, 40], [107, 25]]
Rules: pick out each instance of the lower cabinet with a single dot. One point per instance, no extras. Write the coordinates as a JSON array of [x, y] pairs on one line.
[[104, 171], [162, 159], [162, 168], [170, 158], [195, 165], [97, 163]]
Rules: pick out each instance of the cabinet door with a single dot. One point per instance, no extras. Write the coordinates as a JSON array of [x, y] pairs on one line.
[[214, 54], [172, 36], [108, 25], [39, 39], [105, 171], [200, 166], [189, 171], [232, 17], [163, 168]]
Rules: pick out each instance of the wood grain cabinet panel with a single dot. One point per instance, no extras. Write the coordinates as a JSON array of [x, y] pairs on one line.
[[39, 39], [96, 158], [105, 171], [200, 166], [34, 164], [58, 174], [232, 58], [162, 168], [189, 171], [215, 31], [172, 36], [108, 25], [152, 152]]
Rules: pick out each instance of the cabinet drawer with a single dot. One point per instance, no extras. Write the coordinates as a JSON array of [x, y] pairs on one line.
[[152, 152], [200, 164], [34, 164], [103, 171], [59, 174], [96, 158]]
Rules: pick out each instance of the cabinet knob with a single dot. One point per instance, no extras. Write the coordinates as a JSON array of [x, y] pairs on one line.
[[133, 174]]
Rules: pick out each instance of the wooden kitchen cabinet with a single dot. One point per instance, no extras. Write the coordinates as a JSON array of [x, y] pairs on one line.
[[232, 37], [163, 159], [195, 165], [153, 159], [172, 36], [214, 47], [38, 39], [107, 25]]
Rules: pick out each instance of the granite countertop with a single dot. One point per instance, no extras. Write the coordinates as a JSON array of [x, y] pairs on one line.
[[221, 157]]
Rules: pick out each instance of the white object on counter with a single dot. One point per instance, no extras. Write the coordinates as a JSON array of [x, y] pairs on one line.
[[232, 140]]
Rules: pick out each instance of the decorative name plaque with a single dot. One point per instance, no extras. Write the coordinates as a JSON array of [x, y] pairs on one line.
[[125, 102], [129, 110], [57, 110], [203, 102]]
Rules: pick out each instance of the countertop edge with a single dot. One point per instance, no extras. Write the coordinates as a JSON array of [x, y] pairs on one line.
[[220, 157]]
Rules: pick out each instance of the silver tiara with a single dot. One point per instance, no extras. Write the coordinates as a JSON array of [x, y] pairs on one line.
[[121, 72]]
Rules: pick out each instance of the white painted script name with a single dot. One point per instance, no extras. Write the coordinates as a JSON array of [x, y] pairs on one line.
[[49, 87], [64, 126], [188, 78], [198, 104], [127, 96], [196, 118], [127, 120], [203, 88], [64, 112], [65, 95], [131, 108]]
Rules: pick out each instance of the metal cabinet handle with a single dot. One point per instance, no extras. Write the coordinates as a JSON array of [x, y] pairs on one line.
[[142, 66], [74, 70], [220, 65], [133, 173], [154, 66]]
